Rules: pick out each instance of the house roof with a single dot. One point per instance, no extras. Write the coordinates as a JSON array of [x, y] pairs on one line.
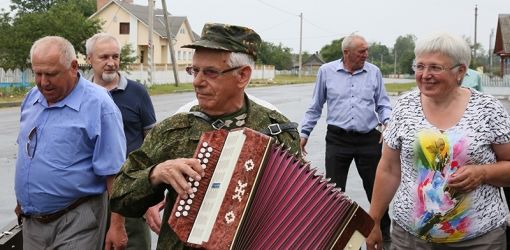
[[502, 45], [140, 12], [314, 60]]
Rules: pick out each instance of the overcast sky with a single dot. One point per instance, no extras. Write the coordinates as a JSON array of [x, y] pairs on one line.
[[278, 21]]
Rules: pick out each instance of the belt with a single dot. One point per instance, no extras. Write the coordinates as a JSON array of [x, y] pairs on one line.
[[340, 130], [47, 218]]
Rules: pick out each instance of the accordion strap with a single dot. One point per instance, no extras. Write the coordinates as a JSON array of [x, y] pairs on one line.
[[271, 129]]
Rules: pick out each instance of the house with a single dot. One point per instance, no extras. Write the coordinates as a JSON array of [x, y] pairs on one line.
[[130, 24], [502, 46], [312, 64]]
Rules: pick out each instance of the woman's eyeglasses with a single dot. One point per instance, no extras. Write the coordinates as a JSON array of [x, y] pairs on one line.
[[434, 69], [209, 72]]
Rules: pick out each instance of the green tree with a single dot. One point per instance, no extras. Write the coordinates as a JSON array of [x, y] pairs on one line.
[[404, 48], [127, 57], [87, 7], [379, 55], [332, 51], [276, 55], [63, 18]]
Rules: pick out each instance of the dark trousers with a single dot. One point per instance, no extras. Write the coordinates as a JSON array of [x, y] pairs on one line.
[[344, 146]]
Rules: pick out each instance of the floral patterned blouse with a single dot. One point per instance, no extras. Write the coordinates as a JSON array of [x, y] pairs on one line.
[[424, 205]]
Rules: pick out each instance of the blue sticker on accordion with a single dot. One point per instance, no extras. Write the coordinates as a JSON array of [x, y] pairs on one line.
[[216, 185]]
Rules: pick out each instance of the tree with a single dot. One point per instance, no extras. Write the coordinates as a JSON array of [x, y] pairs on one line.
[[404, 47], [379, 55], [332, 51], [276, 55], [87, 7], [31, 22], [127, 57]]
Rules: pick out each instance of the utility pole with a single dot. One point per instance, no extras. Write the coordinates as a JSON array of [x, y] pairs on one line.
[[395, 63], [300, 43], [490, 50], [474, 45], [381, 59], [170, 43], [150, 52]]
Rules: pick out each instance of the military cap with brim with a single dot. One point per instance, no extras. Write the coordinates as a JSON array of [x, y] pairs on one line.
[[229, 38]]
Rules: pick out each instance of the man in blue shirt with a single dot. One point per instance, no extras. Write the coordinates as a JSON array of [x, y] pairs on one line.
[[103, 53], [71, 145], [357, 103], [472, 79]]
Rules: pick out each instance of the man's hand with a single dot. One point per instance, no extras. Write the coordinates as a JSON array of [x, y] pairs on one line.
[[176, 173], [302, 143], [152, 217], [116, 237], [467, 178]]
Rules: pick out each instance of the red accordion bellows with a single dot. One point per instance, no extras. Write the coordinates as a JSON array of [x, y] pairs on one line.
[[255, 195]]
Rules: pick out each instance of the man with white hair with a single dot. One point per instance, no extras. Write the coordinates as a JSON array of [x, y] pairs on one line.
[[103, 53]]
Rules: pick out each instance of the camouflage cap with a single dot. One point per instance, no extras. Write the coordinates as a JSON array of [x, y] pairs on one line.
[[229, 38]]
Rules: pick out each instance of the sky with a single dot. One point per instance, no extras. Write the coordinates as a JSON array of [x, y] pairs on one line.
[[382, 21]]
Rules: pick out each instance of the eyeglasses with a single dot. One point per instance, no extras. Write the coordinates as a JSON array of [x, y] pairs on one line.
[[32, 143], [209, 72], [434, 69]]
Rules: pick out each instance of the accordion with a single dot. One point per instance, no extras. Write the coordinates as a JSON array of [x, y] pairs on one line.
[[256, 195]]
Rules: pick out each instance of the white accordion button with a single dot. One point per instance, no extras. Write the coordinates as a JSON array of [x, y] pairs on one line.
[[202, 150], [249, 165], [207, 154], [196, 183], [192, 196], [187, 207], [191, 179], [179, 208], [194, 189], [177, 214], [209, 149], [204, 166], [205, 160], [205, 144], [189, 201], [182, 202], [200, 156], [185, 213], [230, 217]]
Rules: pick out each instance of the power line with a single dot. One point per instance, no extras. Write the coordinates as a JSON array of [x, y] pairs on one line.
[[279, 9]]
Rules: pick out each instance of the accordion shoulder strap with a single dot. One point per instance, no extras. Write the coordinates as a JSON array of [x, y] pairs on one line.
[[271, 129]]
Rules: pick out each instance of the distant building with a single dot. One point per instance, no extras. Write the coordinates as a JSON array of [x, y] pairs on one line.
[[502, 46], [130, 24], [313, 63]]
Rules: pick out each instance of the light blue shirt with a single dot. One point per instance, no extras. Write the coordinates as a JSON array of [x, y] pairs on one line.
[[472, 79], [356, 102], [78, 142]]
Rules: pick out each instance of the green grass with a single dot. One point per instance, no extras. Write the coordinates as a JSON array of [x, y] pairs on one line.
[[15, 95], [399, 87]]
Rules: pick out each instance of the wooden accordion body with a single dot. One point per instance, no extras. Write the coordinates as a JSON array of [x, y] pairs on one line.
[[255, 195]]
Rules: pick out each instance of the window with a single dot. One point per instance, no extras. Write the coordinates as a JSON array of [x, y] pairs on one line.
[[124, 28]]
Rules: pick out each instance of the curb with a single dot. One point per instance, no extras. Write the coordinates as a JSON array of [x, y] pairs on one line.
[[9, 104]]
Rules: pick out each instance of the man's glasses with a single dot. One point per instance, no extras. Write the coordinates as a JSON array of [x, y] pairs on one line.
[[209, 72], [434, 69], [31, 142]]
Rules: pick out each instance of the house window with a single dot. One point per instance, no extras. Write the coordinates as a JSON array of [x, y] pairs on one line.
[[182, 30], [124, 28]]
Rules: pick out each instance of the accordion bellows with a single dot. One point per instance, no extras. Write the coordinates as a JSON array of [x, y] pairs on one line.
[[255, 195]]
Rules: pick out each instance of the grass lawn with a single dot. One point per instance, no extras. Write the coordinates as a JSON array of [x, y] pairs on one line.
[[13, 96]]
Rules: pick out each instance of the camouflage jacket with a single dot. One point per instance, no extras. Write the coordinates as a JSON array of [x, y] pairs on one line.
[[176, 137]]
